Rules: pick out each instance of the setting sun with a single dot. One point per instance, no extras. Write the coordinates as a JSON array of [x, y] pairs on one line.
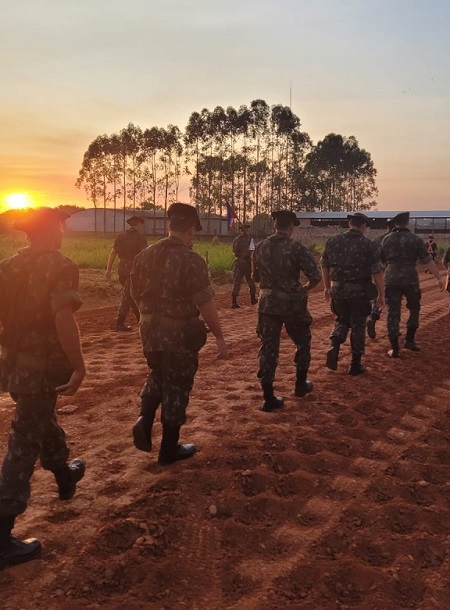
[[18, 201]]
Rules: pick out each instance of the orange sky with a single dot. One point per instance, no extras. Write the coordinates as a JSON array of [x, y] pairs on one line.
[[377, 70]]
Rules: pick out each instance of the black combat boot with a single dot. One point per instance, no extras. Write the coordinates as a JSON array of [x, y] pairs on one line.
[[67, 478], [409, 340], [271, 402], [303, 386], [395, 351], [121, 326], [356, 368], [171, 450], [142, 429], [12, 550], [234, 303], [253, 299], [333, 354]]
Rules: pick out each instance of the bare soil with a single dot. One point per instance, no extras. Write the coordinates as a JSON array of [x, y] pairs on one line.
[[339, 501]]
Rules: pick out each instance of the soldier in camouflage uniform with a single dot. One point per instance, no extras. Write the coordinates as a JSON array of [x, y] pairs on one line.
[[400, 252], [277, 263], [40, 357], [126, 246], [170, 284], [348, 264], [376, 312], [243, 247]]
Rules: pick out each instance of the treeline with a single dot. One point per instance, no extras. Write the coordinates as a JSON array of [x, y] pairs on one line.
[[256, 158]]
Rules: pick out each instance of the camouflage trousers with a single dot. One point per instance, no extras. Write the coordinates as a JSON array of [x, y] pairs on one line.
[[351, 311], [35, 434], [242, 269], [394, 296], [269, 330], [127, 302], [170, 381]]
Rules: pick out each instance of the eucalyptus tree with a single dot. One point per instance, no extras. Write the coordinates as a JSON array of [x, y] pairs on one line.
[[151, 143], [258, 125], [170, 151], [132, 141]]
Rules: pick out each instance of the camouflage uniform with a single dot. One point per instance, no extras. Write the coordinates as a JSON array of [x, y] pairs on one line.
[[352, 260], [168, 281], [278, 261], [34, 286], [128, 245], [400, 252], [243, 265]]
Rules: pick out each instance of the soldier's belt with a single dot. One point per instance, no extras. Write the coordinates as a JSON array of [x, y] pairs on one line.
[[285, 296], [22, 359], [348, 285], [164, 320]]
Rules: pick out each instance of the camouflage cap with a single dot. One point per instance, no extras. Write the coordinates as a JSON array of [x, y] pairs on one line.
[[363, 219], [288, 215], [134, 220], [186, 213], [38, 219], [401, 219]]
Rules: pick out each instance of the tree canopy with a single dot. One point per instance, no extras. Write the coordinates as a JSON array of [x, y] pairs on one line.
[[255, 157]]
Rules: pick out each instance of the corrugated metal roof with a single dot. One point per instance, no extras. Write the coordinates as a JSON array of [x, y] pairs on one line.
[[371, 214]]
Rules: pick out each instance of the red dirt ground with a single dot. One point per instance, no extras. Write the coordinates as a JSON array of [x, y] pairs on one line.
[[341, 500]]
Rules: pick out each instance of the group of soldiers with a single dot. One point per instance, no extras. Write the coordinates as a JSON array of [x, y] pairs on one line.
[[167, 285]]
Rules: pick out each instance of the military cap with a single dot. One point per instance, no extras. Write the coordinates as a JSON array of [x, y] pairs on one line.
[[287, 215], [401, 219], [363, 218], [38, 219], [134, 220], [185, 213]]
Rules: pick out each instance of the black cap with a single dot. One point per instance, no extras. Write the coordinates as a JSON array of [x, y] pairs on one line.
[[185, 213], [38, 219], [363, 219], [134, 220], [401, 219], [288, 215]]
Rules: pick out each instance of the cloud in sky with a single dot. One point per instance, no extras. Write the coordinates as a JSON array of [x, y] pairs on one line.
[[377, 70]]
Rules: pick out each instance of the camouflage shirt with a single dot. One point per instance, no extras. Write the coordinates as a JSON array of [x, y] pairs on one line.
[[34, 285], [240, 247], [128, 245], [168, 280], [400, 251], [351, 258], [277, 264]]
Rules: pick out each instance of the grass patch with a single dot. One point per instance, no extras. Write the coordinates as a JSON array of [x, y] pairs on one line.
[[92, 252]]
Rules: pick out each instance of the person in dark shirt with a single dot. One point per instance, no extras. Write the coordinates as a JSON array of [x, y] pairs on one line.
[[349, 263], [277, 264], [126, 246]]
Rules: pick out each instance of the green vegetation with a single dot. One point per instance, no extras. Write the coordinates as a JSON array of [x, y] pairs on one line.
[[92, 252]]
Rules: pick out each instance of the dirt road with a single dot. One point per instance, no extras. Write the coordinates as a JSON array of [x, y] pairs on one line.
[[341, 500]]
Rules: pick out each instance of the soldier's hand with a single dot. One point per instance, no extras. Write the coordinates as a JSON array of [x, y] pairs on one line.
[[108, 275], [326, 295], [223, 349], [69, 388]]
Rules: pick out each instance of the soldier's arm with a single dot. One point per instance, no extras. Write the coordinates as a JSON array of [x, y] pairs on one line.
[[209, 314], [326, 282], [378, 279], [432, 268], [111, 259], [69, 338]]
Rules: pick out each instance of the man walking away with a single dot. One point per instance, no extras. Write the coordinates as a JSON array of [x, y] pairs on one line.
[[170, 284], [40, 358], [349, 263], [400, 252], [278, 262], [126, 246]]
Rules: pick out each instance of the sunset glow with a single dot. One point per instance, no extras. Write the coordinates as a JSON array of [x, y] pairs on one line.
[[17, 201]]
